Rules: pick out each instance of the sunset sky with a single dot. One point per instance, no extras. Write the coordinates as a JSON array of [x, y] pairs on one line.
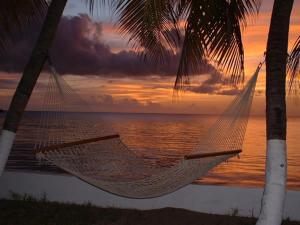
[[97, 61]]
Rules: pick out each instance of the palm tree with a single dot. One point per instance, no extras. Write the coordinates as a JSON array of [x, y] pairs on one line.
[[276, 165], [212, 33]]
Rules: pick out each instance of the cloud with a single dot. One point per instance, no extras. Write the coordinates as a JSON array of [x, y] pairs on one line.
[[8, 83], [128, 104], [78, 49], [233, 91], [215, 84]]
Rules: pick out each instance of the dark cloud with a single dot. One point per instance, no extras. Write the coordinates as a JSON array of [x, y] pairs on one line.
[[128, 104], [8, 84], [233, 91], [215, 85], [78, 49]]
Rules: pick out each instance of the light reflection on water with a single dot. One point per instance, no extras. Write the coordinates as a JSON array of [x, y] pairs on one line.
[[167, 138]]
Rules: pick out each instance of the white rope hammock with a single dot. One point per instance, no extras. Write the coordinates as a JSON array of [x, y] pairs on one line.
[[94, 153]]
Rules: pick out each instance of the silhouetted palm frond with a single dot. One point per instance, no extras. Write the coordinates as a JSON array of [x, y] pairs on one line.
[[151, 25], [213, 31], [293, 65], [15, 15]]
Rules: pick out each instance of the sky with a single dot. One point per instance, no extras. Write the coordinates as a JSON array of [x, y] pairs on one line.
[[97, 61]]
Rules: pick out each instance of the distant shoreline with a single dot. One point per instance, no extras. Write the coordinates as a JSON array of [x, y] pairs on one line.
[[152, 113]]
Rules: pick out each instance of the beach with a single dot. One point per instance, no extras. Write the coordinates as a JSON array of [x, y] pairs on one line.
[[212, 199]]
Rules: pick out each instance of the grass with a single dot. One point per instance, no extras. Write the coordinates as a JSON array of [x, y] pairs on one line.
[[26, 210]]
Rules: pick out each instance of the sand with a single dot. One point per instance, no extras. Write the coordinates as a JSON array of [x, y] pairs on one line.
[[210, 199]]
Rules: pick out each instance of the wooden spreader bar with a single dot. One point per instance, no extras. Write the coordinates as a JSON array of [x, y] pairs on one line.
[[210, 154], [74, 143]]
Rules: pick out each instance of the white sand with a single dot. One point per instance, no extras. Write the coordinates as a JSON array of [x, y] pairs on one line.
[[201, 198]]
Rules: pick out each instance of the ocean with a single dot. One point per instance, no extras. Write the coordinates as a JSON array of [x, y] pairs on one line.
[[166, 138]]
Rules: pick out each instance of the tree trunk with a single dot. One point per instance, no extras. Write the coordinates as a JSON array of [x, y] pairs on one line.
[[276, 165], [29, 79]]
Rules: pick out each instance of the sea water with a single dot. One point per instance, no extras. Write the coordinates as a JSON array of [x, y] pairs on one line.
[[166, 138]]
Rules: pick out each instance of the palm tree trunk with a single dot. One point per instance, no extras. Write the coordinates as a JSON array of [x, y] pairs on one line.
[[276, 165], [29, 78]]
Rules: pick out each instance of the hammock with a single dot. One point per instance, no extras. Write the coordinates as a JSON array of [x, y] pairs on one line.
[[97, 155]]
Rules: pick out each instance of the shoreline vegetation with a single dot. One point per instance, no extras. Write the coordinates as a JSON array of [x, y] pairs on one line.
[[25, 209]]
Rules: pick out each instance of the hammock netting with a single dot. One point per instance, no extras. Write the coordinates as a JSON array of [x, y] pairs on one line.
[[95, 153]]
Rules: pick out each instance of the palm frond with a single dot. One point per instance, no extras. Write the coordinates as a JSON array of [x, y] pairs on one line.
[[213, 31], [194, 48], [15, 15], [92, 4], [151, 25], [293, 65]]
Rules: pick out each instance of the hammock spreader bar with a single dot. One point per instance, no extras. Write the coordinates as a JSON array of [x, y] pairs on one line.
[[74, 143], [210, 154]]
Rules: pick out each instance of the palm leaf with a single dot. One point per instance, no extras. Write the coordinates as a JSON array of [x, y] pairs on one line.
[[293, 65], [151, 25], [213, 31], [194, 46], [92, 4], [15, 15]]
